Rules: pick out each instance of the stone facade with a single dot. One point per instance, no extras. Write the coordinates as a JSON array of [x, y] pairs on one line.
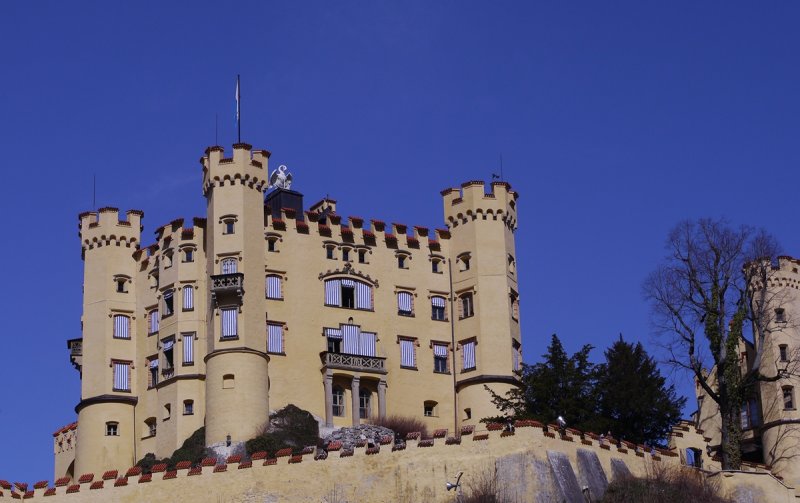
[[266, 302]]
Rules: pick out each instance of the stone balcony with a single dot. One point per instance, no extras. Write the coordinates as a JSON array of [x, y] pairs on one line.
[[357, 363], [226, 286]]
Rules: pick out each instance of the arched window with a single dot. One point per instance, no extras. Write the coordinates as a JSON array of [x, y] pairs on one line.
[[364, 403], [122, 327], [338, 401], [229, 265]]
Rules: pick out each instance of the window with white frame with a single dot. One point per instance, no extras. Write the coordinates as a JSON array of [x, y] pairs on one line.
[[348, 293], [407, 353], [229, 265], [121, 375], [112, 429], [122, 326], [468, 355], [275, 338], [274, 287], [405, 304], [229, 322]]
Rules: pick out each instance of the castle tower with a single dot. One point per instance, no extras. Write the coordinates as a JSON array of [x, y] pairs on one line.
[[485, 294], [237, 384], [778, 351], [108, 396]]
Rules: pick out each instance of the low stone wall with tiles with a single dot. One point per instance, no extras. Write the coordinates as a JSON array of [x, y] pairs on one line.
[[532, 463]]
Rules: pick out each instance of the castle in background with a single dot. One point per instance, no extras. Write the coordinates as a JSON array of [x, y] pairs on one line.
[[264, 303]]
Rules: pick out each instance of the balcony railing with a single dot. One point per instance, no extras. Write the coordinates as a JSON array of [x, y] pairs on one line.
[[227, 284], [359, 363]]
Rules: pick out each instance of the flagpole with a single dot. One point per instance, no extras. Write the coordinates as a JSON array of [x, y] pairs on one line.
[[238, 110]]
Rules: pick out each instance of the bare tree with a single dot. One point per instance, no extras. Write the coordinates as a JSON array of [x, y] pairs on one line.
[[715, 285]]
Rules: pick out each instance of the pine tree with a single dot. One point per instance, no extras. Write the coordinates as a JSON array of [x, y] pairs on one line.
[[559, 386], [633, 398]]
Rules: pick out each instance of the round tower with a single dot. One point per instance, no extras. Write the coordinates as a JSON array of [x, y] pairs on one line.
[[237, 385], [108, 394], [778, 350], [482, 259]]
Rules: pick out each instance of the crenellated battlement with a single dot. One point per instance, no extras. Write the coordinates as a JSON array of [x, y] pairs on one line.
[[247, 166], [105, 228], [353, 230], [468, 450], [471, 202]]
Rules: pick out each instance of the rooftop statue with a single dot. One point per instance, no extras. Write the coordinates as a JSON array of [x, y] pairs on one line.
[[280, 179]]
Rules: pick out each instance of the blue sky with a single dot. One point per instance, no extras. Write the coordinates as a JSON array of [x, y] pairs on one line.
[[615, 120]]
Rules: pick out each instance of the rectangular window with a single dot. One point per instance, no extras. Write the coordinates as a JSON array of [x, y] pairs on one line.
[[188, 298], [168, 347], [780, 315], [405, 304], [438, 309], [468, 355], [274, 338], [122, 375], [154, 321], [152, 367], [440, 358], [122, 327], [465, 302], [188, 256], [348, 293], [362, 256], [407, 357], [229, 322], [112, 429], [363, 296], [784, 351], [188, 348], [229, 228], [346, 255], [366, 344], [788, 397], [169, 306], [516, 356], [334, 337], [274, 287]]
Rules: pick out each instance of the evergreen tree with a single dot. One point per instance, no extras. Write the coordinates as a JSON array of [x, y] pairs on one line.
[[634, 401], [559, 386]]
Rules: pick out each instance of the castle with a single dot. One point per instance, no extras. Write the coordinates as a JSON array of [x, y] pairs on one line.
[[263, 303]]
